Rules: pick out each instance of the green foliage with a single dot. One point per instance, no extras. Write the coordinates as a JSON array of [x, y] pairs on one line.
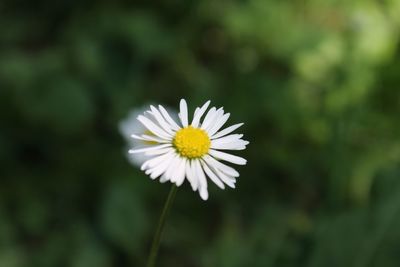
[[316, 83]]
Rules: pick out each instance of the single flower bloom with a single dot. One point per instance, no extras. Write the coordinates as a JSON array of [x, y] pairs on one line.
[[190, 150]]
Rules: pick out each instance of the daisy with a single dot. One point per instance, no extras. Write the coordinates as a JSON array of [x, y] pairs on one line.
[[190, 151]]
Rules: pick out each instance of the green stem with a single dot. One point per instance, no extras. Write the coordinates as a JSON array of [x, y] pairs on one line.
[[157, 237]]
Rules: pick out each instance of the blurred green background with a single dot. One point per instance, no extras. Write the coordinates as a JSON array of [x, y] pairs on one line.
[[315, 81]]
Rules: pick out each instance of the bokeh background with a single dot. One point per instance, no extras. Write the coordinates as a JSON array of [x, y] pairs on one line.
[[315, 81]]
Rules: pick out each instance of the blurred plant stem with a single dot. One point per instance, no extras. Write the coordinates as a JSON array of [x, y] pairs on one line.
[[161, 223]]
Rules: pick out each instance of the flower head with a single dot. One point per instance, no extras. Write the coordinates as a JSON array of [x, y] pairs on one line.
[[190, 151]]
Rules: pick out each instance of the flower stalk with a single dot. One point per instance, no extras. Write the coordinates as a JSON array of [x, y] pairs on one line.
[[160, 228]]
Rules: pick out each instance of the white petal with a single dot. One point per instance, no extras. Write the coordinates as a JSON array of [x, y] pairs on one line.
[[204, 193], [190, 175], [159, 169], [227, 157], [154, 128], [195, 111], [155, 139], [199, 113], [151, 148], [172, 167], [226, 131], [149, 138], [219, 165], [212, 176], [138, 137], [219, 124], [183, 114], [168, 118], [236, 145], [208, 118], [227, 179], [232, 146], [202, 180], [159, 151], [175, 173], [151, 163], [163, 179], [213, 119], [180, 175], [161, 121], [227, 139]]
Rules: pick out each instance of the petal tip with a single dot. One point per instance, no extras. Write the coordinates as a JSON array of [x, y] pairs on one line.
[[204, 195]]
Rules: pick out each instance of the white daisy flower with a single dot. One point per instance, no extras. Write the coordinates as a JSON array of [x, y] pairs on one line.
[[130, 125], [190, 151]]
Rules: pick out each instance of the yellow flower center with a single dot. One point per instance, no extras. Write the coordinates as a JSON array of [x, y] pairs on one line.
[[192, 142]]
